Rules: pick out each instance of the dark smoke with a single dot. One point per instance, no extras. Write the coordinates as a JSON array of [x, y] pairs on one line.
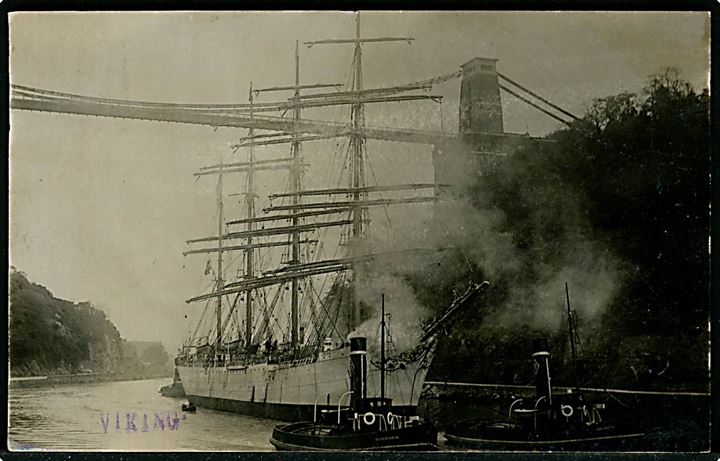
[[472, 237]]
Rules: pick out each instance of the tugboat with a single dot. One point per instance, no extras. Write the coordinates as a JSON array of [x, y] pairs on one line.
[[367, 424], [175, 389], [547, 421]]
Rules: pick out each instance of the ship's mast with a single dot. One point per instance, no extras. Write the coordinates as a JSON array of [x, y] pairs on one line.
[[356, 138], [357, 145], [571, 332], [355, 208], [220, 283], [250, 252], [296, 168], [295, 175], [357, 170], [382, 347]]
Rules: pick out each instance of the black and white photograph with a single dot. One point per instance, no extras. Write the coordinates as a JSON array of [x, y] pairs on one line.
[[351, 231]]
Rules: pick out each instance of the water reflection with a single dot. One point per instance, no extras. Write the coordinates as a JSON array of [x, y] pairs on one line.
[[95, 417]]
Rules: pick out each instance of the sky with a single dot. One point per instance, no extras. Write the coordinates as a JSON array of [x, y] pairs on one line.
[[100, 208]]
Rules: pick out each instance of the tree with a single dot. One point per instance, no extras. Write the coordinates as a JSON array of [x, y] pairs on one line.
[[155, 355], [629, 181]]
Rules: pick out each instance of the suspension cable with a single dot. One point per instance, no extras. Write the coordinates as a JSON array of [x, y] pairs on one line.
[[541, 109], [554, 106]]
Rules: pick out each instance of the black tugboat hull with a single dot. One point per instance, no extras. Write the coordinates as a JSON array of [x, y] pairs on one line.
[[172, 390], [497, 438], [282, 412], [299, 437]]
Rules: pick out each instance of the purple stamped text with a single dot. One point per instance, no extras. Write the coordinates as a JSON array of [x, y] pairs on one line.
[[145, 422]]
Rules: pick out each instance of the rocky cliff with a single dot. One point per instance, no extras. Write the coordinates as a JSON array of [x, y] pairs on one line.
[[50, 336]]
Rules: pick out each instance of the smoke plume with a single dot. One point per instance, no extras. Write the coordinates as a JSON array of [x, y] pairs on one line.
[[511, 226]]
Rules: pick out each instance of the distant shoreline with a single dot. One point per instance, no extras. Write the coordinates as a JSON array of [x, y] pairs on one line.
[[81, 378]]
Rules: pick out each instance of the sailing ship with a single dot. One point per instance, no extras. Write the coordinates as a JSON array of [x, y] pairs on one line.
[[283, 364], [279, 357]]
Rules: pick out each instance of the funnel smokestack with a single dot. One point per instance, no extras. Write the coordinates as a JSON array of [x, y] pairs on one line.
[[541, 359], [358, 368]]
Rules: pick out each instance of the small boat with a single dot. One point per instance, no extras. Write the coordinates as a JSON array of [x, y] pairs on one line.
[[367, 424], [547, 421], [175, 389], [189, 407]]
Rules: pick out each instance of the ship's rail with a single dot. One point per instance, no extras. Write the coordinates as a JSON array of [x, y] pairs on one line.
[[282, 359]]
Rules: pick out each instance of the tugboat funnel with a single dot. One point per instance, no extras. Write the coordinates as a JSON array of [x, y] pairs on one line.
[[358, 368], [541, 359]]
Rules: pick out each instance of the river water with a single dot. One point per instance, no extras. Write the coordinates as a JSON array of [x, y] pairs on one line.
[[100, 417], [133, 416]]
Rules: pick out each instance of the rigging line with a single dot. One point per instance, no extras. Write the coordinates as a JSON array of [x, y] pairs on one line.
[[342, 166], [261, 302], [200, 321], [372, 172], [232, 322], [306, 314], [326, 278], [265, 306], [331, 173], [554, 106], [301, 308], [257, 319], [228, 266], [284, 333], [442, 123], [337, 314], [463, 253], [321, 331], [373, 346], [312, 290], [232, 261], [327, 313], [311, 312], [313, 339], [346, 147], [344, 112], [270, 328], [338, 163], [207, 286], [231, 314], [278, 299], [318, 256]]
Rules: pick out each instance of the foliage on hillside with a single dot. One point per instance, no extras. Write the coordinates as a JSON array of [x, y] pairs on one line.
[[627, 186], [54, 336], [150, 357]]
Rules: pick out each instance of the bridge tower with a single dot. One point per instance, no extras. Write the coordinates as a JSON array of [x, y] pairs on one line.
[[459, 162], [480, 109]]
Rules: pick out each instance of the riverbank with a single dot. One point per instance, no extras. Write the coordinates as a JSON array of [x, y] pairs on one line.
[[81, 378]]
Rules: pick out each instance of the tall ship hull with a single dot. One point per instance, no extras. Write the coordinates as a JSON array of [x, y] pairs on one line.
[[295, 391]]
